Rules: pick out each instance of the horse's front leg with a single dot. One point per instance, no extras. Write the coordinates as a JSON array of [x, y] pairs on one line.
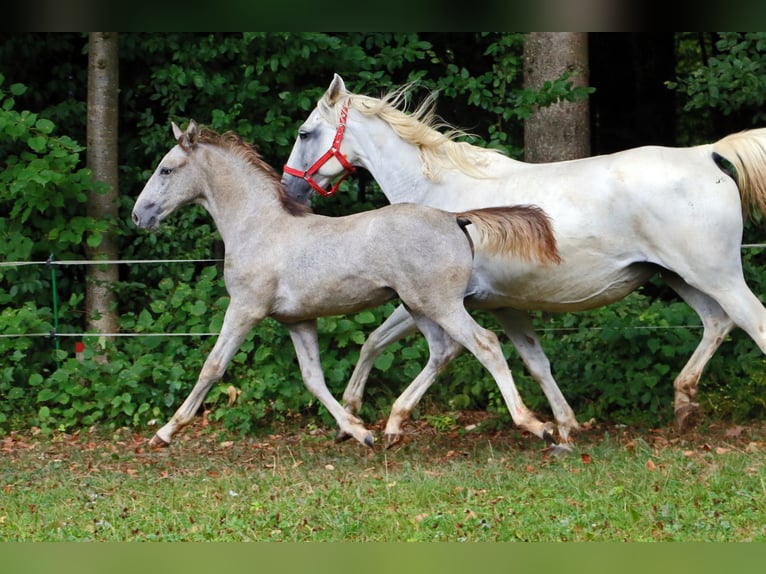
[[306, 343], [236, 325], [518, 327], [398, 325]]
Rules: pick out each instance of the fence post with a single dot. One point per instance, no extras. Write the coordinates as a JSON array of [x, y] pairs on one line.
[[55, 332]]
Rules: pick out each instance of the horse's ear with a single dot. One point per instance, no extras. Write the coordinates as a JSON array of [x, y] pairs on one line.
[[336, 91]]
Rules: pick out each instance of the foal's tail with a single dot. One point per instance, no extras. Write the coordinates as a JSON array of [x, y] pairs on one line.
[[746, 151], [521, 230]]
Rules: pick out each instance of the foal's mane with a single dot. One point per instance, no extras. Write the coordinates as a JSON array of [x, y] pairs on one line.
[[435, 139], [233, 142]]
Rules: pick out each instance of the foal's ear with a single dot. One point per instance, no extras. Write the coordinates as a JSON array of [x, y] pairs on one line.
[[336, 91], [191, 133], [177, 133], [188, 138]]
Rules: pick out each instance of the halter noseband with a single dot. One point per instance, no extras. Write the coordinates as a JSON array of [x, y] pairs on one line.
[[334, 151]]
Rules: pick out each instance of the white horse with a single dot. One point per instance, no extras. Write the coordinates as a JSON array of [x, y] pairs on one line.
[[283, 261], [619, 219]]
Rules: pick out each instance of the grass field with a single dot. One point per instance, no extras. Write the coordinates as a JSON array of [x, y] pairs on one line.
[[468, 482]]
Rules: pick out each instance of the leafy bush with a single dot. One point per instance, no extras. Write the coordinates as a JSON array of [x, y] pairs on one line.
[[614, 363]]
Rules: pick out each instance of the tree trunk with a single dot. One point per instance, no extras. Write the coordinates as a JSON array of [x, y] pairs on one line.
[[560, 131], [100, 300]]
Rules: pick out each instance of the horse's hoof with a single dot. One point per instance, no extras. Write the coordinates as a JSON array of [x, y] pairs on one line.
[[157, 442], [369, 440], [341, 436], [686, 416], [392, 439]]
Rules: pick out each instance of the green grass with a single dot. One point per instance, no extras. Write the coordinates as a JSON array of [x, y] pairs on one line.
[[456, 485]]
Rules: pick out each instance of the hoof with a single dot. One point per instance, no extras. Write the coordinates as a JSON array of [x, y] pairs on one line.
[[687, 416], [341, 436], [548, 436], [157, 442], [369, 440], [392, 439]]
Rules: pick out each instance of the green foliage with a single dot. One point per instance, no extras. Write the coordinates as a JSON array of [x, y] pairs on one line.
[[613, 363], [732, 79]]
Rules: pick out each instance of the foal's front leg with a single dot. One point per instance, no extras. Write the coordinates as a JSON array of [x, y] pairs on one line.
[[236, 325], [306, 343]]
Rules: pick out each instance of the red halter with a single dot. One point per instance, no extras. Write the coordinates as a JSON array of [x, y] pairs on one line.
[[334, 151]]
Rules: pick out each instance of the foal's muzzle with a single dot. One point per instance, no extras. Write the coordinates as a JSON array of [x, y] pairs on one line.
[[146, 217]]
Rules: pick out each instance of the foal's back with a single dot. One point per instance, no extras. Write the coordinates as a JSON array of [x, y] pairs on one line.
[[338, 265]]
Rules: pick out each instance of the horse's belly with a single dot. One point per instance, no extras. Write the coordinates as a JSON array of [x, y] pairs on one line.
[[554, 288]]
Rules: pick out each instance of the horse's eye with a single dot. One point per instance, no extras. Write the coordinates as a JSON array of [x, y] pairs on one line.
[[166, 170], [303, 134]]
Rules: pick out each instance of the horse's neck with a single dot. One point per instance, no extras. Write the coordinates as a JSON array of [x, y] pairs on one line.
[[393, 163], [397, 167]]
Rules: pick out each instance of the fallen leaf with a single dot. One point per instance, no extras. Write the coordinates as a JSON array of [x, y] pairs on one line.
[[585, 457], [650, 464], [722, 450]]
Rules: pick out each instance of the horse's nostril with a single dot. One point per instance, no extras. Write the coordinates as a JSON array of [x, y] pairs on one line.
[[135, 218]]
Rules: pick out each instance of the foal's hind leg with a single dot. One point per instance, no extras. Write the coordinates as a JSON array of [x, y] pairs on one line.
[[716, 324], [484, 345], [518, 327]]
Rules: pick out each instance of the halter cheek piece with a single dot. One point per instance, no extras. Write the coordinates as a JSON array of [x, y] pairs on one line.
[[334, 151]]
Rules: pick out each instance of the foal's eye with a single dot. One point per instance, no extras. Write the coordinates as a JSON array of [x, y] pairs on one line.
[[166, 170]]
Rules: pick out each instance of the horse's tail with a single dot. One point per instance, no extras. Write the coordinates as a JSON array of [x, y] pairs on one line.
[[521, 230], [746, 151]]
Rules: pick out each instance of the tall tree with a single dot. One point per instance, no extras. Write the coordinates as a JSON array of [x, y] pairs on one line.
[[560, 131], [100, 300]]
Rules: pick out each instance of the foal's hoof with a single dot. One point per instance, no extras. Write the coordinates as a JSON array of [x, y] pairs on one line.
[[369, 440], [687, 416], [392, 439], [157, 442], [548, 435]]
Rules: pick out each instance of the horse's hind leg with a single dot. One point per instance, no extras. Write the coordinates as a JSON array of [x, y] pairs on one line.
[[518, 327], [716, 325], [304, 337], [442, 349]]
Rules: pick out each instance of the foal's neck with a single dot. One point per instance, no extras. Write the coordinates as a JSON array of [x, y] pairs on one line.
[[242, 200]]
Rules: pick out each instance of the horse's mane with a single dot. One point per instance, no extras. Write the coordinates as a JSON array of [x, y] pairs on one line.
[[422, 128], [233, 142]]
